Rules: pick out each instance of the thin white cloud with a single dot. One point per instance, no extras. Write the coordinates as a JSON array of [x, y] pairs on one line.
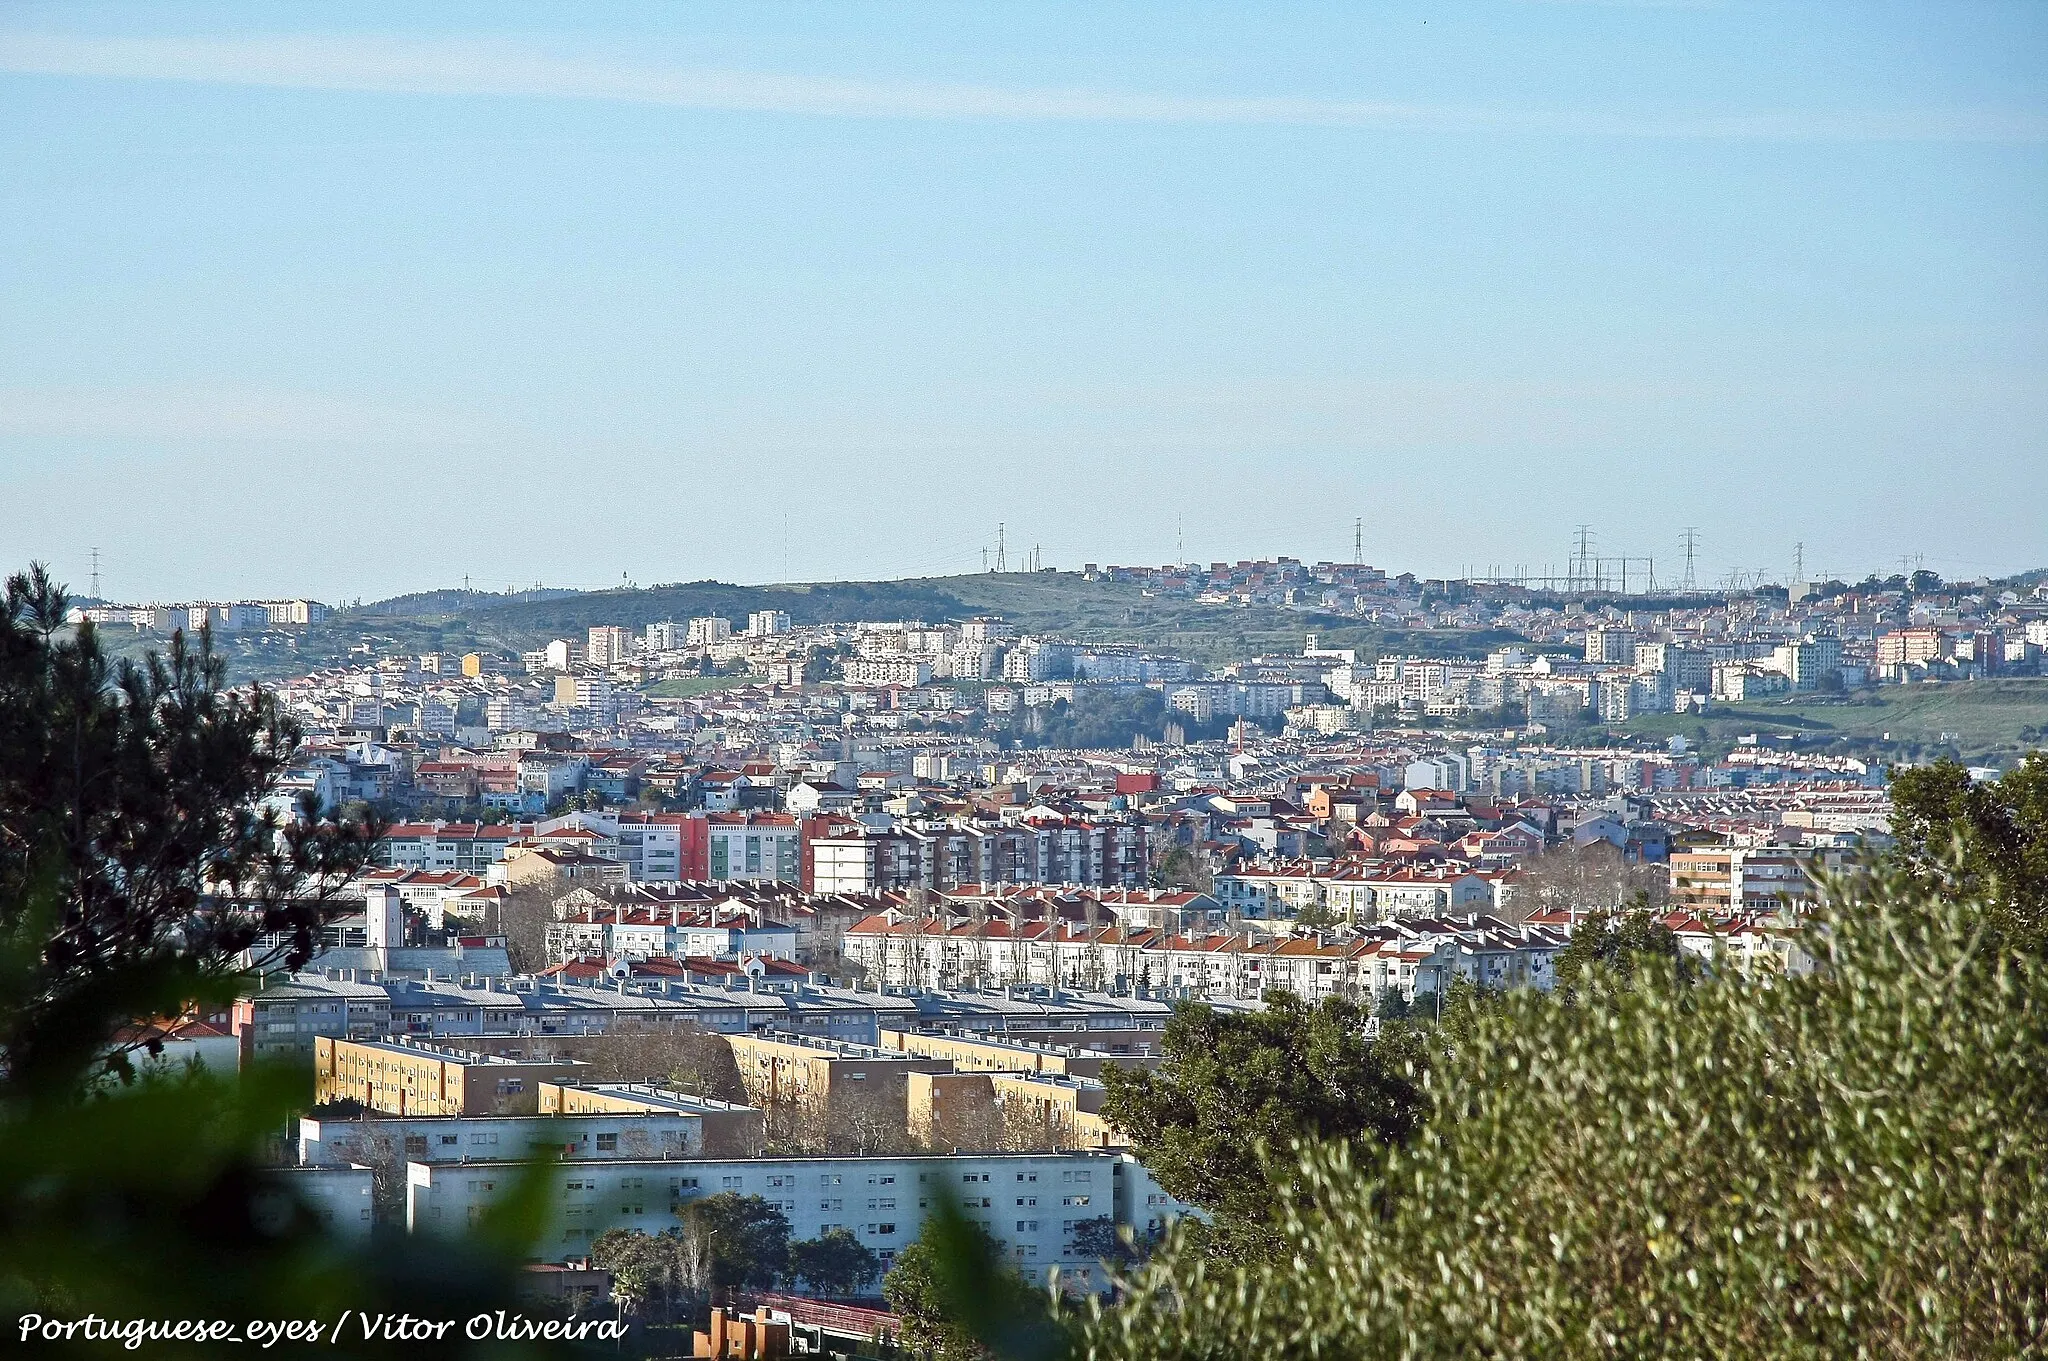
[[473, 67], [221, 414]]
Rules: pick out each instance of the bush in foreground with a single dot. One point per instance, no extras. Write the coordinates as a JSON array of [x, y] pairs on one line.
[[1845, 1164]]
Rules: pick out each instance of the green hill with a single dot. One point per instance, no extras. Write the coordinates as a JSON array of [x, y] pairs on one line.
[[1065, 603]]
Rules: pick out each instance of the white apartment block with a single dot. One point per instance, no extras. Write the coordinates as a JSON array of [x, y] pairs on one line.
[[1030, 1203], [705, 631], [652, 1134], [900, 670]]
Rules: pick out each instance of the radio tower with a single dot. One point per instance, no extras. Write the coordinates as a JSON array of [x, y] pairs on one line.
[[1358, 542], [1692, 537], [95, 574], [1799, 561]]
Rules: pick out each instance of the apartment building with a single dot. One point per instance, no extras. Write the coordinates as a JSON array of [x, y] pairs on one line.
[[981, 1054], [1726, 881], [283, 1021], [756, 847], [406, 1077], [816, 1072], [716, 1129], [1030, 1204], [640, 1132], [339, 1198]]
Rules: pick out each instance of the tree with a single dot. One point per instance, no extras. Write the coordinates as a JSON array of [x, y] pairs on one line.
[[1984, 839], [523, 919], [1231, 1085], [369, 1143], [133, 857], [960, 1301], [745, 1238], [834, 1263], [1101, 1239], [144, 848], [1181, 867], [1621, 946], [682, 1055], [1842, 1163], [664, 1276], [1595, 877]]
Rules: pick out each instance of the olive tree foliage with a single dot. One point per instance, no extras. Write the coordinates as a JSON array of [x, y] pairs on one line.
[[1848, 1163]]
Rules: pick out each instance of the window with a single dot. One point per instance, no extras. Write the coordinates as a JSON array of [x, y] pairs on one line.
[[830, 1204], [415, 1145], [477, 1139], [449, 1140], [1027, 1176], [608, 1143], [1073, 1200], [1028, 1200], [881, 1228], [829, 1179]]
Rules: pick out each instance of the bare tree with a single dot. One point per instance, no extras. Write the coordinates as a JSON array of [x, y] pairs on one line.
[[1581, 879], [370, 1143], [523, 919], [684, 1056]]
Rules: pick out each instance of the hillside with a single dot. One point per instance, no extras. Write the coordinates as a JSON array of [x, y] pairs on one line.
[[1978, 721], [1098, 612]]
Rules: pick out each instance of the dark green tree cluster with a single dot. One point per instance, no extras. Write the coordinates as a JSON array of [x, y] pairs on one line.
[[729, 1242], [1102, 716], [1619, 945], [1234, 1088], [133, 859], [135, 871], [961, 1301], [1986, 839]]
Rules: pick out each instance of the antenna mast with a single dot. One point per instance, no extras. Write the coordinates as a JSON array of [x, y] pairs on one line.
[[95, 574]]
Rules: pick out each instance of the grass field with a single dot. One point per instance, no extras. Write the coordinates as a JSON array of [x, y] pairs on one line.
[[1977, 720]]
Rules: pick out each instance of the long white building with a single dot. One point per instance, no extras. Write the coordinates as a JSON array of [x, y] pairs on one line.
[[1030, 1203]]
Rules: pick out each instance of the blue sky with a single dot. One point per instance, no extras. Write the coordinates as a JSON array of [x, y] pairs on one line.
[[315, 299]]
